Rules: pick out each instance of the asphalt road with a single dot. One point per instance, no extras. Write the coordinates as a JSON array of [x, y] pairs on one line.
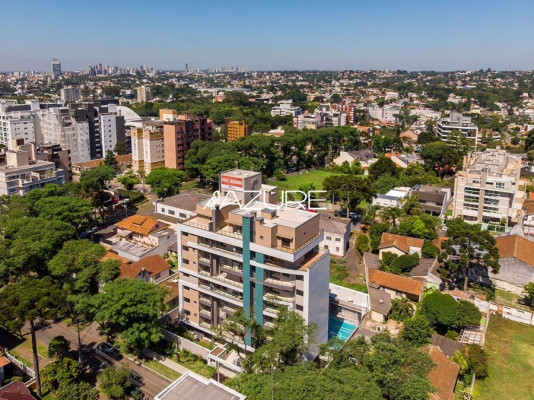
[[152, 384]]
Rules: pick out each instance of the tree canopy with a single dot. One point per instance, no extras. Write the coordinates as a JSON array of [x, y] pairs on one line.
[[165, 182]]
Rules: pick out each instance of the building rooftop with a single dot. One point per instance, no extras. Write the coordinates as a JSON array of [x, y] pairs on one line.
[[241, 173], [290, 216], [333, 226], [516, 246], [380, 301], [31, 166], [186, 200], [397, 282], [444, 375], [401, 242], [191, 386], [152, 264], [141, 224], [15, 391], [496, 162]]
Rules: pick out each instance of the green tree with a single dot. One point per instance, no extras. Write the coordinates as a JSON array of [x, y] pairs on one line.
[[131, 308], [440, 157], [28, 244], [383, 166], [114, 382], [165, 182], [93, 183], [459, 142], [528, 291], [129, 181], [76, 391], [72, 210], [362, 243], [429, 250], [469, 246], [110, 160], [58, 347], [353, 189], [390, 214], [416, 331], [411, 205], [401, 309], [477, 359], [28, 300], [121, 149], [467, 314], [440, 310], [64, 371]]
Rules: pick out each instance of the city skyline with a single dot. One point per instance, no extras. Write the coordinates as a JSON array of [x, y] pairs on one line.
[[275, 36]]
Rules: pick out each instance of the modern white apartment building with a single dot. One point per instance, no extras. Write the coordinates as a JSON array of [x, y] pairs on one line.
[[57, 125], [23, 172], [386, 113], [17, 122], [458, 122], [108, 132], [286, 108], [489, 189], [71, 94], [257, 259], [148, 150]]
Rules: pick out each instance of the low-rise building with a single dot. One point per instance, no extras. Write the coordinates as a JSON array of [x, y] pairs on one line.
[[443, 376], [516, 263], [24, 172], [140, 236], [392, 198], [336, 236], [153, 269], [433, 199], [396, 286], [286, 108], [179, 207], [236, 130], [193, 386], [399, 245]]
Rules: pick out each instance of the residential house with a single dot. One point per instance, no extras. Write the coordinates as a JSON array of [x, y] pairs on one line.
[[399, 244], [179, 207], [444, 375], [348, 304], [396, 286], [336, 236], [16, 390], [153, 269], [393, 198], [4, 362], [517, 263], [193, 386], [139, 236], [433, 199], [427, 272], [365, 157]]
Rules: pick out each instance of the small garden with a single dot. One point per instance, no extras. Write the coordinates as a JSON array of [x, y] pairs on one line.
[[339, 275]]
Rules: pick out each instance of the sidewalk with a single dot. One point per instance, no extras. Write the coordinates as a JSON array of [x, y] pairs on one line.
[[165, 361]]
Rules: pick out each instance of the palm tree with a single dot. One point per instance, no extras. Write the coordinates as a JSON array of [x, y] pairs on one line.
[[390, 214], [411, 205], [401, 309]]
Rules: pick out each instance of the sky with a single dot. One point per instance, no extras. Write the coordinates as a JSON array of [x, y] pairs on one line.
[[269, 34]]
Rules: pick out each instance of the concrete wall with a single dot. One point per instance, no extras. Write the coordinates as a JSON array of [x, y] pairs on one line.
[[184, 344]]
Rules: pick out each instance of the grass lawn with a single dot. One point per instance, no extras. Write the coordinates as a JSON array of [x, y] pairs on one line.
[[193, 184], [511, 351], [293, 182], [20, 358], [162, 369], [339, 275], [26, 347], [195, 364], [510, 299]]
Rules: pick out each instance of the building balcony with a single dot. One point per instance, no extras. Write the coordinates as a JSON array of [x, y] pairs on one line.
[[232, 270], [204, 301], [278, 299], [278, 284], [205, 313]]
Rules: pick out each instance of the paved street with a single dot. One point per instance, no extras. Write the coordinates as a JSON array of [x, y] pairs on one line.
[[153, 383]]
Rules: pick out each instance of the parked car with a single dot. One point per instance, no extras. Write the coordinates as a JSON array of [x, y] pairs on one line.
[[106, 348]]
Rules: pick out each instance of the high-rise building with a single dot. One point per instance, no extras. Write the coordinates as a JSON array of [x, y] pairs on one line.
[[180, 133], [458, 122], [56, 68], [148, 147], [106, 126], [58, 125], [255, 260], [143, 94], [236, 130], [71, 94], [17, 122], [54, 153], [489, 189]]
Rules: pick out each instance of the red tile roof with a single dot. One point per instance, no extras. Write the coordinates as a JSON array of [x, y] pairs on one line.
[[400, 242], [396, 282], [141, 224], [15, 391], [516, 246], [4, 361], [443, 376], [152, 264]]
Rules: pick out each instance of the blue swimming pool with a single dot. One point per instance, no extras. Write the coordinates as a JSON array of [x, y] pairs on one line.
[[342, 329]]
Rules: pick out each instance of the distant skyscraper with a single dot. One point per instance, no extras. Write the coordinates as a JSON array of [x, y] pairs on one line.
[[56, 68]]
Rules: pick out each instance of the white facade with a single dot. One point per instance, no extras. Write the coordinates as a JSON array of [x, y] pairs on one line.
[[17, 122], [393, 198], [286, 108], [58, 126], [458, 122], [108, 132], [143, 94], [71, 94]]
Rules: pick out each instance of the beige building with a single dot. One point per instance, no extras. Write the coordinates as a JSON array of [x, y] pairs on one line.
[[255, 259], [143, 94], [148, 150], [489, 189]]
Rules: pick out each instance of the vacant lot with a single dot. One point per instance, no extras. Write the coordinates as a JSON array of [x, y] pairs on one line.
[[511, 349], [293, 182]]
